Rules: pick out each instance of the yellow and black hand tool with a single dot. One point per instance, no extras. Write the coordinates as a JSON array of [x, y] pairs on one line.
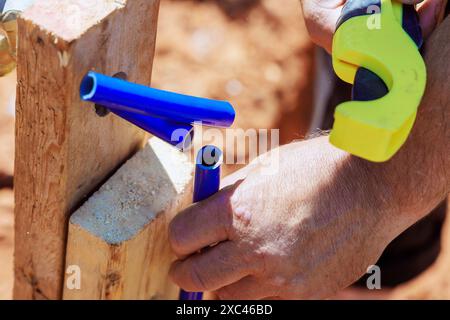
[[376, 48]]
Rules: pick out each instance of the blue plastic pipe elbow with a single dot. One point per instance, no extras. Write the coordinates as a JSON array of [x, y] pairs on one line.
[[121, 95], [206, 183], [180, 135]]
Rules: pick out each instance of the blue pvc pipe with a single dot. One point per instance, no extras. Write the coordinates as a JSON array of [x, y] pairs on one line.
[[121, 95], [207, 172], [180, 135], [206, 183]]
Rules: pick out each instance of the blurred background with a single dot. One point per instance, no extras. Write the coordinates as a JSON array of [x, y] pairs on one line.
[[257, 55]]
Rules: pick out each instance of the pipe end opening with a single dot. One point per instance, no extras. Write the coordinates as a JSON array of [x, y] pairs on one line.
[[210, 157], [88, 86]]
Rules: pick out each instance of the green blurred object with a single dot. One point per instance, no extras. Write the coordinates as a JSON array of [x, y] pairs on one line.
[[9, 12]]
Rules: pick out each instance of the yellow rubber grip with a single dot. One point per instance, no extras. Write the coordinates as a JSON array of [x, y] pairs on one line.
[[375, 130]]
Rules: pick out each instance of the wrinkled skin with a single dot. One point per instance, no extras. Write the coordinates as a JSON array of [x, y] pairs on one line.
[[284, 235], [319, 222]]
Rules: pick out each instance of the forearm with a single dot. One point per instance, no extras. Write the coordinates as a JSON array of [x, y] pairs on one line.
[[325, 214], [393, 195], [419, 173]]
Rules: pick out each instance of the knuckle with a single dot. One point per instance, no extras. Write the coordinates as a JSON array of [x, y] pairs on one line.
[[225, 219], [197, 278], [246, 258], [175, 238]]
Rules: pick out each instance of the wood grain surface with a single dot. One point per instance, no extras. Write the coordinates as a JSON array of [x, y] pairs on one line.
[[64, 151]]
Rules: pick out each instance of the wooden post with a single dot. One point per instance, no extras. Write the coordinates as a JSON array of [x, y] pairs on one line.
[[64, 151], [118, 245]]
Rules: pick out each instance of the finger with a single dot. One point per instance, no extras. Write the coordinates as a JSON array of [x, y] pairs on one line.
[[430, 14], [248, 288], [202, 224], [320, 19], [215, 268]]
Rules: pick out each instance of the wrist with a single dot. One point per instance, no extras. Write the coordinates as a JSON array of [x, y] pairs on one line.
[[370, 192]]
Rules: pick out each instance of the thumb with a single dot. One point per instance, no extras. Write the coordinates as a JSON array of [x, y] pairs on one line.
[[202, 224], [320, 19]]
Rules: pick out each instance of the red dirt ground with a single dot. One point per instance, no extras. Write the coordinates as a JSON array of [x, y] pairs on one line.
[[256, 54]]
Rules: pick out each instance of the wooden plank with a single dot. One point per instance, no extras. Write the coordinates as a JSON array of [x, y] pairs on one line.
[[63, 149], [118, 239]]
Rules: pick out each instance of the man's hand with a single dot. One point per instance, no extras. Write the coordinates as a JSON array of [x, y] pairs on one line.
[[321, 17], [306, 232], [309, 230], [324, 217]]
